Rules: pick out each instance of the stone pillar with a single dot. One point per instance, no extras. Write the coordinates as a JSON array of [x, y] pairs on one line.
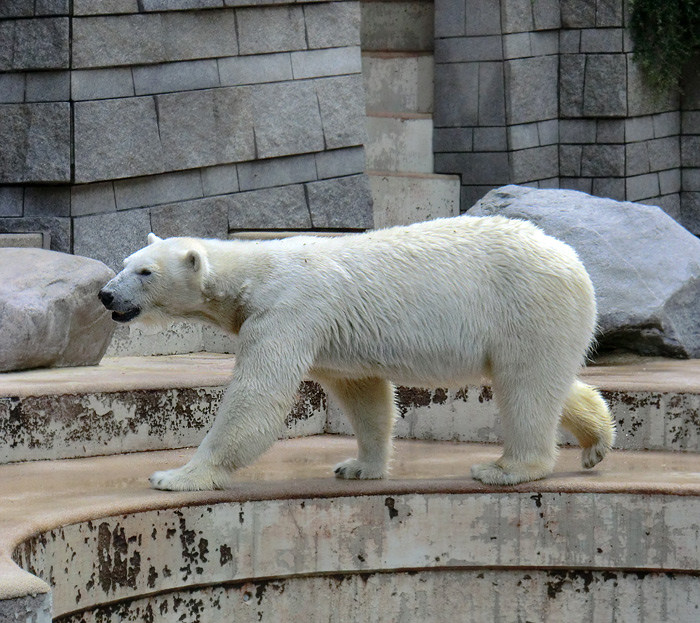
[[182, 118], [618, 138], [496, 102]]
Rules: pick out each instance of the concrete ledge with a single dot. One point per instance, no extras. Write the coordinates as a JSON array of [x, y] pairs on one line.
[[131, 404], [92, 529]]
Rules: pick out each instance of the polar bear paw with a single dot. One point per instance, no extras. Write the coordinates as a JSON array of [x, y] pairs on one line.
[[354, 469], [190, 477], [495, 474]]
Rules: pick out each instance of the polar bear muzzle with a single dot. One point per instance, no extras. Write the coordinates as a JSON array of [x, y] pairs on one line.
[[121, 311]]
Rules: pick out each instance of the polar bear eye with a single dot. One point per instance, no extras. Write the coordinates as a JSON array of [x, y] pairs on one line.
[[144, 272]]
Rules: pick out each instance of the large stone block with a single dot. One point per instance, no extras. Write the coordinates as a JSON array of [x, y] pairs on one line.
[[11, 200], [605, 92], [647, 285], [47, 201], [690, 151], [183, 76], [492, 94], [532, 93], [48, 86], [35, 141], [201, 218], [93, 84], [530, 165], [342, 104], [103, 7], [603, 161], [665, 153], [11, 87], [92, 199], [209, 127], [456, 94], [578, 13], [283, 207], [255, 69], [34, 44], [153, 38], [276, 172], [469, 49], [112, 236], [340, 162], [117, 138], [476, 169], [572, 68], [517, 16], [271, 29], [406, 26], [641, 99], [157, 189], [343, 203], [51, 316], [332, 24], [287, 119], [220, 180], [450, 19], [328, 62]]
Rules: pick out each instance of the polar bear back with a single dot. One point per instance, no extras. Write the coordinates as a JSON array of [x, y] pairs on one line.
[[439, 299]]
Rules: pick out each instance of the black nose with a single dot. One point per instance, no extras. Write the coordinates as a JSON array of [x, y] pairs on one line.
[[106, 297]]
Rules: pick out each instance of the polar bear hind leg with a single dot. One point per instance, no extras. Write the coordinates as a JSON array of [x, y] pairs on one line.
[[530, 402], [370, 405]]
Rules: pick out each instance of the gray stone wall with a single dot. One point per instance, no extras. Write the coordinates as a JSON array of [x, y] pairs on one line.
[[182, 117], [547, 94]]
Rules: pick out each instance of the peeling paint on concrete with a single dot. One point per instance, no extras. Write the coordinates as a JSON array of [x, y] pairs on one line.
[[125, 557], [68, 426], [467, 596]]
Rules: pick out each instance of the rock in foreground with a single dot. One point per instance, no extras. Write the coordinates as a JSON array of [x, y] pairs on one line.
[[49, 312], [645, 267]]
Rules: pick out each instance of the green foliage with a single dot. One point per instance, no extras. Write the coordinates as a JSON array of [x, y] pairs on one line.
[[666, 35]]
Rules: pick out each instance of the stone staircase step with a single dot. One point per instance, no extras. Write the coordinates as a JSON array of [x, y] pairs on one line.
[[88, 540], [397, 25], [405, 198], [400, 142], [398, 82], [134, 404]]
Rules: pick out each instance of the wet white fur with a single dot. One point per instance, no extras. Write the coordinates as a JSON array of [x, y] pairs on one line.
[[440, 303]]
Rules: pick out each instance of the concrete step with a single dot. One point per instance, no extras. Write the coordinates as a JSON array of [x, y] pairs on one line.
[[398, 82], [405, 198], [87, 540], [151, 403], [397, 25], [400, 142]]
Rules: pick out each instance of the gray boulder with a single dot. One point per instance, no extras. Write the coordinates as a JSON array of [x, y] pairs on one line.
[[645, 267], [49, 312]]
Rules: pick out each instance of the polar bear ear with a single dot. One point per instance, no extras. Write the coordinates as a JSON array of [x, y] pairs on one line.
[[153, 238], [196, 261]]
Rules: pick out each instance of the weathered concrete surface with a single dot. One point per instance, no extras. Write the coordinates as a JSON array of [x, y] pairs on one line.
[[93, 530], [467, 596], [126, 405], [149, 403], [645, 266], [49, 311]]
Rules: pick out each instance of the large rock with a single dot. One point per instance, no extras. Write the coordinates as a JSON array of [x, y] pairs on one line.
[[49, 312], [645, 267]]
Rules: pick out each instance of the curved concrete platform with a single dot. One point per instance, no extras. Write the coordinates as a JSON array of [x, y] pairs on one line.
[[111, 549]]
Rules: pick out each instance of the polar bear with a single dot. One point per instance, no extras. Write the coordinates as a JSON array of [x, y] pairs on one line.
[[435, 304]]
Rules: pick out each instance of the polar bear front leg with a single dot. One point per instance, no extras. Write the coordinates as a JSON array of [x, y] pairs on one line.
[[265, 381], [370, 406]]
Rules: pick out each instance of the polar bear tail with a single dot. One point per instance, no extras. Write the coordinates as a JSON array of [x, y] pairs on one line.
[[587, 416]]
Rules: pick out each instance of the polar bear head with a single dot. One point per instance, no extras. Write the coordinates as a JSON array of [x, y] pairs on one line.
[[162, 281]]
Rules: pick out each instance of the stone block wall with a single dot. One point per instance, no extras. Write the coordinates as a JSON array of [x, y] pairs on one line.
[[553, 87], [182, 117]]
